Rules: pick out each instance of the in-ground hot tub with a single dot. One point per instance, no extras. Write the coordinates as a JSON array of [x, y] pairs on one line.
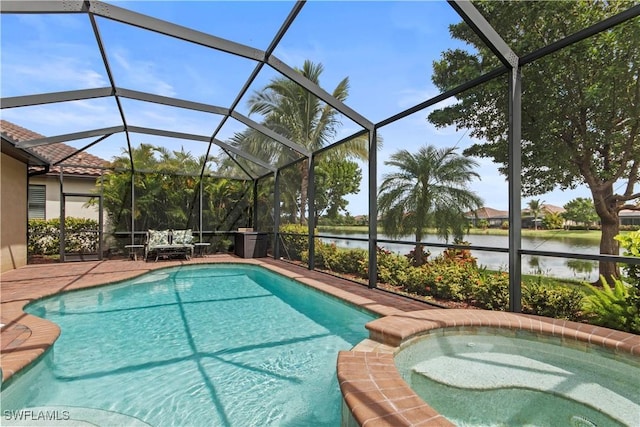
[[492, 376], [472, 368]]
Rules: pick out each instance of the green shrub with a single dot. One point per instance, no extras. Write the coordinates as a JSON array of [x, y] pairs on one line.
[[294, 241], [352, 261], [613, 307], [492, 292], [44, 236], [630, 242], [392, 268], [417, 280], [552, 221], [413, 259], [559, 303], [339, 260], [460, 256], [80, 236], [451, 280], [326, 254]]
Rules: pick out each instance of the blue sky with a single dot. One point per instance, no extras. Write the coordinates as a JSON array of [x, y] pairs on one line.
[[385, 48]]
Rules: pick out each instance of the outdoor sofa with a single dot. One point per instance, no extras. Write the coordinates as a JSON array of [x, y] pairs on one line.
[[168, 243]]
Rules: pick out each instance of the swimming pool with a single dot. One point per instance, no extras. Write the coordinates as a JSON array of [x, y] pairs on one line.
[[194, 345]]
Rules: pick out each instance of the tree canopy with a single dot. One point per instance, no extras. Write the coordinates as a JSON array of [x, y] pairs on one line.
[[335, 178], [166, 185], [581, 211], [580, 105]]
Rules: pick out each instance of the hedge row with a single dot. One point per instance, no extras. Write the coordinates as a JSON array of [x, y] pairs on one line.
[[452, 276], [80, 236]]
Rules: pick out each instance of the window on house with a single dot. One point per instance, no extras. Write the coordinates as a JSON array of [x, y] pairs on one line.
[[37, 201]]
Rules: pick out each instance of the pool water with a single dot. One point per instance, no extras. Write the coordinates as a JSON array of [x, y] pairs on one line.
[[197, 345], [493, 380]]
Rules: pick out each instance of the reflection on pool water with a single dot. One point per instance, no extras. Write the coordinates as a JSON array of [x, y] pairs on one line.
[[198, 345], [493, 380]]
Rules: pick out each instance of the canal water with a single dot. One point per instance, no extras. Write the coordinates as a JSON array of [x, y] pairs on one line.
[[565, 268]]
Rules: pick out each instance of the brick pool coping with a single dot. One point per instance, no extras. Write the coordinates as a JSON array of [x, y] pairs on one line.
[[375, 395], [25, 338]]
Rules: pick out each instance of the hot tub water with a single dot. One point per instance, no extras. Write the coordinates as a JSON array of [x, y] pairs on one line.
[[497, 380]]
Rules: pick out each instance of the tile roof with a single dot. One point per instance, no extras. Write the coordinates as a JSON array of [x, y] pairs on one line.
[[553, 208], [545, 208], [629, 212], [55, 152], [486, 212]]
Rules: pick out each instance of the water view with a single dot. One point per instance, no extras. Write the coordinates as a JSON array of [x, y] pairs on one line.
[[556, 267]]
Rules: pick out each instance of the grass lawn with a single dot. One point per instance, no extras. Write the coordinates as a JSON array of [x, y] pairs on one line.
[[591, 235], [554, 282]]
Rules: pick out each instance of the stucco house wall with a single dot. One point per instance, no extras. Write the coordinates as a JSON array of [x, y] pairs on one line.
[[13, 208], [75, 206]]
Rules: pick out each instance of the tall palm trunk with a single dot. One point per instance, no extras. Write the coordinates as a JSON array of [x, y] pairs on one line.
[[304, 191], [418, 251]]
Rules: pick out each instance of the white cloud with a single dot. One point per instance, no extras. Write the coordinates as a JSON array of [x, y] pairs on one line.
[[67, 117], [48, 74], [121, 60], [139, 75]]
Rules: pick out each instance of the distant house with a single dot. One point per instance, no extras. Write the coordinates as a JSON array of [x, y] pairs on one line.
[[629, 218], [528, 219], [494, 218], [44, 189]]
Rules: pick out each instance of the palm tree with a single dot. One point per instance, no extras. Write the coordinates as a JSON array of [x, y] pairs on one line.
[[429, 191], [297, 114], [535, 208], [165, 183]]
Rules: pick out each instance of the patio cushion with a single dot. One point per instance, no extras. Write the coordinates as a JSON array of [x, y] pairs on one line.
[[182, 237], [158, 238]]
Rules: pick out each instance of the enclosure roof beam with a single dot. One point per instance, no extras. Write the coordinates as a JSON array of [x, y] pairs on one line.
[[201, 138], [485, 31], [86, 147], [51, 6], [270, 133], [167, 133], [445, 95], [53, 97], [244, 155], [139, 20], [70, 137], [173, 102]]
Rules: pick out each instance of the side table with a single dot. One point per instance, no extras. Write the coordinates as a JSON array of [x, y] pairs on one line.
[[200, 249], [133, 251]]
